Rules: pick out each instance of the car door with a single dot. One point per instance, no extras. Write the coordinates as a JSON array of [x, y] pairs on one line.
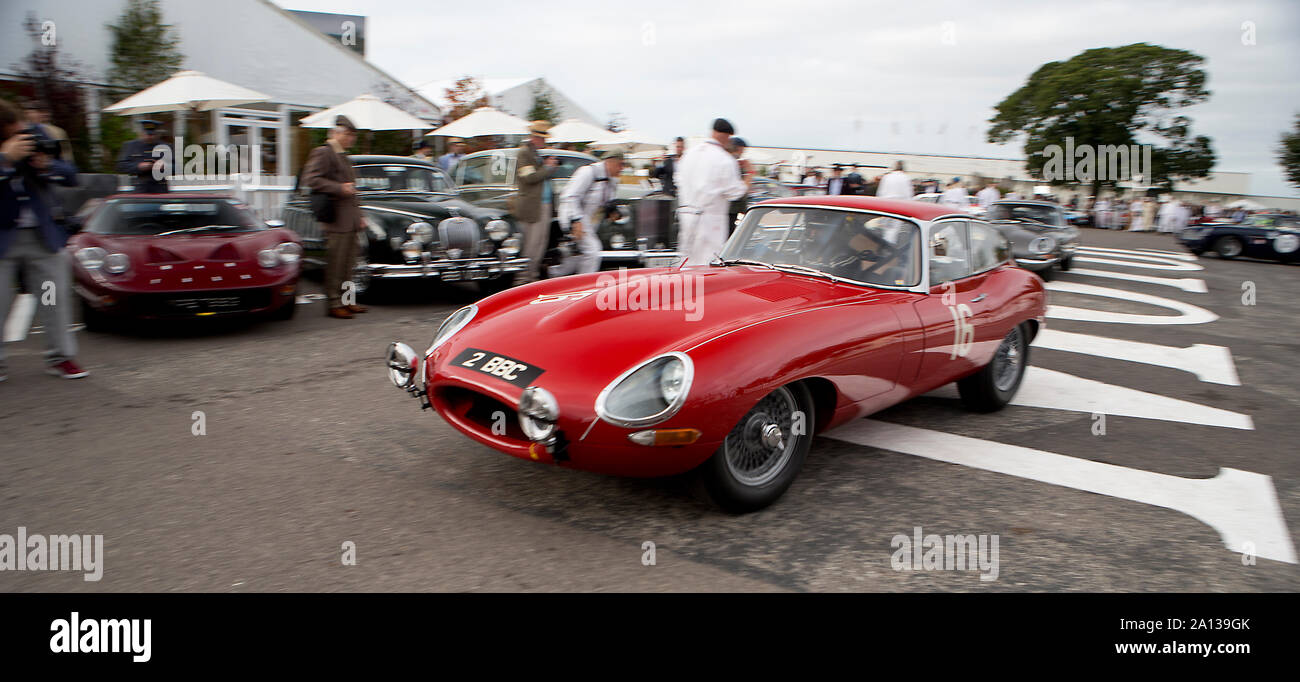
[[958, 317]]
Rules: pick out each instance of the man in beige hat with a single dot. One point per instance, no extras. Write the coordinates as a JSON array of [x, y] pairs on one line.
[[329, 171], [533, 198]]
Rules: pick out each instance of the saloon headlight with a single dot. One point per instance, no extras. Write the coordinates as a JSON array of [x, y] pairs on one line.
[[289, 252], [422, 232], [498, 229], [411, 250], [91, 258], [1042, 245], [454, 323], [116, 263], [268, 258], [648, 393], [510, 247], [538, 411], [617, 241]]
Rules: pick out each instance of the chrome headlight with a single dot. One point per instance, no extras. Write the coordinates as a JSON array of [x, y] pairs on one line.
[[402, 366], [1042, 245], [498, 229], [617, 241], [289, 252], [648, 393], [268, 258], [510, 247], [411, 250], [422, 232], [91, 258], [538, 411], [454, 323], [454, 253], [116, 263]]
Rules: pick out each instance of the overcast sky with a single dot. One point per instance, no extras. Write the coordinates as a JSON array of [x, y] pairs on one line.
[[862, 75]]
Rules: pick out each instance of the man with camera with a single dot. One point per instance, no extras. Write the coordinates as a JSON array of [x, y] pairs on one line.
[[31, 238], [138, 160], [586, 201]]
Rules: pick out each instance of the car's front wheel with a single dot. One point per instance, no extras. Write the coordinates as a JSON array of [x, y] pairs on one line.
[[763, 453], [1067, 263], [1228, 247], [991, 388]]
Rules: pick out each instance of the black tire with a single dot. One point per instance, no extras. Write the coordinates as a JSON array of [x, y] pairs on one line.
[[285, 312], [747, 472], [1067, 263], [991, 388], [1047, 273], [1228, 247]]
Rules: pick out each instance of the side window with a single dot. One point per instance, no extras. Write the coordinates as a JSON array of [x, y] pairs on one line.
[[949, 255], [987, 247]]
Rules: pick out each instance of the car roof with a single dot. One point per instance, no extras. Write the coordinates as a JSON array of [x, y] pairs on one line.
[[911, 209], [170, 195], [1032, 202], [386, 159], [543, 152]]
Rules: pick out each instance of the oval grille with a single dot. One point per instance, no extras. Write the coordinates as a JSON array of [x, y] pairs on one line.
[[459, 233]]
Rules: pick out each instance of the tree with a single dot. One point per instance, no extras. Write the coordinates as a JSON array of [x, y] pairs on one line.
[[544, 108], [617, 123], [48, 79], [1288, 154], [464, 96], [1107, 96], [144, 50]]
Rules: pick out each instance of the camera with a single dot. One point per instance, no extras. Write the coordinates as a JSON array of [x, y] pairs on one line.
[[42, 143]]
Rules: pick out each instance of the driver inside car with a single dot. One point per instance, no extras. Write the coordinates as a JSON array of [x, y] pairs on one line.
[[846, 247]]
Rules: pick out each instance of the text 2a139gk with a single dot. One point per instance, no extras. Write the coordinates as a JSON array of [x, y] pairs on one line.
[[504, 368]]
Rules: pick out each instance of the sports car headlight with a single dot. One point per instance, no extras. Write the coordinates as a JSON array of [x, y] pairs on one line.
[[423, 232], [91, 258], [1042, 245], [498, 229], [510, 247], [268, 258], [454, 323], [538, 411], [116, 263], [648, 393], [289, 252]]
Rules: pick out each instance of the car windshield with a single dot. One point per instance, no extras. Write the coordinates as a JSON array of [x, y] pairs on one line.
[[173, 216], [397, 178], [859, 246], [1046, 215], [1273, 221]]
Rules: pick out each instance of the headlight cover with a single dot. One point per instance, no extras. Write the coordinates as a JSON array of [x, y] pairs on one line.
[[498, 229], [268, 258], [289, 252], [116, 263], [538, 411], [510, 247], [421, 231], [454, 323], [649, 393], [91, 258], [1042, 245]]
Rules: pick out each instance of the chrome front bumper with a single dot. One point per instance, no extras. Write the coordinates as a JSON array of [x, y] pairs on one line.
[[450, 270]]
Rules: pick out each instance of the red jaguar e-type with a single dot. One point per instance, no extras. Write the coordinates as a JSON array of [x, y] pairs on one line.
[[182, 256], [819, 310]]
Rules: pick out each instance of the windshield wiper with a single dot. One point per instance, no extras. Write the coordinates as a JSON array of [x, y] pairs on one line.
[[199, 229], [745, 261], [805, 270]]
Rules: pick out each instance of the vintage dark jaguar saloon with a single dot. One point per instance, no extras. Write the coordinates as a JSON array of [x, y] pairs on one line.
[[417, 226], [1039, 234], [821, 310], [1271, 236]]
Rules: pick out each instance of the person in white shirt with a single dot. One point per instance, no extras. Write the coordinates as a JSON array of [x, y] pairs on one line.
[[1165, 217], [1135, 216], [988, 195], [895, 184], [582, 208], [955, 196], [708, 179], [1101, 211]]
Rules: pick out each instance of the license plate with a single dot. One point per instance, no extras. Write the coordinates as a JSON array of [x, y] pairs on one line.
[[660, 261], [505, 368]]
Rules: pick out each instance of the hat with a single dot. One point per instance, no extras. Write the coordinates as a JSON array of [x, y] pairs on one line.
[[722, 125], [422, 144], [342, 121], [611, 154], [539, 127], [455, 140], [150, 124], [739, 142]]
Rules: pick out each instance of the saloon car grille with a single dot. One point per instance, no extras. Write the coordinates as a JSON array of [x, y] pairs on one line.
[[460, 233], [190, 305], [481, 412]]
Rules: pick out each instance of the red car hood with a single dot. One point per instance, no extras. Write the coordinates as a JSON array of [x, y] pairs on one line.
[[600, 323], [208, 261]]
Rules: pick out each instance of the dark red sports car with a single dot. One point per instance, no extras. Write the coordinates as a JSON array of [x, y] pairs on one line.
[[182, 256], [820, 310]]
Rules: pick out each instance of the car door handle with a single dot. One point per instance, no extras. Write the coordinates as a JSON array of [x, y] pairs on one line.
[[979, 298]]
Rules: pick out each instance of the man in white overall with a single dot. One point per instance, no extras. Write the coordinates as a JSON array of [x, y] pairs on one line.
[[708, 179], [582, 208]]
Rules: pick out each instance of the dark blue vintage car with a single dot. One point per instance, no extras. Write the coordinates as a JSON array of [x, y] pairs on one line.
[[1271, 236]]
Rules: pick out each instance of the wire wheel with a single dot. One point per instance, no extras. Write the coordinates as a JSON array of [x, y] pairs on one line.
[[1007, 361], [760, 446]]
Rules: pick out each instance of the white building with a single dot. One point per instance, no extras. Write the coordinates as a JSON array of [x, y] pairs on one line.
[[252, 43], [514, 96]]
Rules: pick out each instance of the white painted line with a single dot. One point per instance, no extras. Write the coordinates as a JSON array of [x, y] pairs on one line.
[[1190, 257], [1188, 313], [1155, 264], [1053, 390], [1212, 364], [20, 317], [1188, 284], [1241, 506]]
